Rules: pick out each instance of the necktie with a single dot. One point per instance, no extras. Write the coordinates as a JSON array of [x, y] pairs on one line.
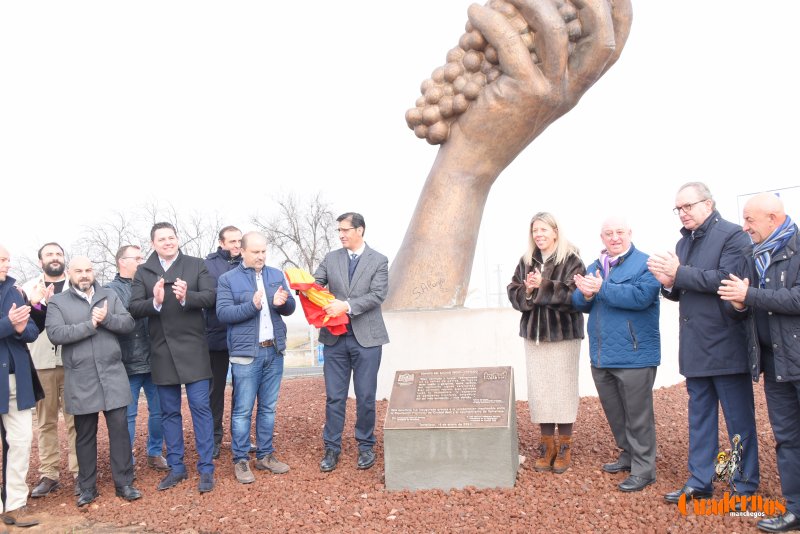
[[351, 268]]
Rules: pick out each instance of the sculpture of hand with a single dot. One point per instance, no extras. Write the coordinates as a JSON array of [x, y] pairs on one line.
[[432, 267]]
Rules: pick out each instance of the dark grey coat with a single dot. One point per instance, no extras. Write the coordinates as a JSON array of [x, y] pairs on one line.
[[135, 345], [781, 299], [94, 377], [711, 342], [179, 351]]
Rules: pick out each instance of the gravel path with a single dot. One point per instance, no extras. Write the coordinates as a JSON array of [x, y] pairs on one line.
[[584, 499]]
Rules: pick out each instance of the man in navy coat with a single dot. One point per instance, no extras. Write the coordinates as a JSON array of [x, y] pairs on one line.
[[712, 347], [19, 391]]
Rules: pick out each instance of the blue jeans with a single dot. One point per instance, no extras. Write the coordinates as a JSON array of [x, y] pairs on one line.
[[155, 433], [260, 379]]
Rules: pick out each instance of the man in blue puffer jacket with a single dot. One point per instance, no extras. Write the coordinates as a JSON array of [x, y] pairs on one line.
[[621, 297], [251, 300]]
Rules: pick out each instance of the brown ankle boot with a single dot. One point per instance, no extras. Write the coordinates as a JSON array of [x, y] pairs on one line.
[[564, 456], [547, 453]]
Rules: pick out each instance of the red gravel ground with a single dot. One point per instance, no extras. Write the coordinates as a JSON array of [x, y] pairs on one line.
[[584, 499]]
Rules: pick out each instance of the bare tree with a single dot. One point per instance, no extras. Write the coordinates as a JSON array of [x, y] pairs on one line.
[[100, 242], [196, 232], [302, 231]]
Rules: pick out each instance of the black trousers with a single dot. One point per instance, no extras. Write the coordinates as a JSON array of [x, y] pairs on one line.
[[219, 372], [119, 445]]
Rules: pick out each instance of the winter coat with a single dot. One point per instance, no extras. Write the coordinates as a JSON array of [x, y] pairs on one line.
[[548, 315], [178, 348], [711, 342], [781, 299], [218, 263], [94, 377], [135, 345], [235, 308], [623, 316], [14, 347]]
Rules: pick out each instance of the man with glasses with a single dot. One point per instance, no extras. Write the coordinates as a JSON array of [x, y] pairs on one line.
[[358, 277], [136, 358], [712, 346]]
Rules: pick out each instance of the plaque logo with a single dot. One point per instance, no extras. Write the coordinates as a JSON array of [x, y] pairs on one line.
[[495, 376], [405, 379]]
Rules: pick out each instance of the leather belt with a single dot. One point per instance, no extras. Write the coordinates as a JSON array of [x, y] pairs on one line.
[[267, 343]]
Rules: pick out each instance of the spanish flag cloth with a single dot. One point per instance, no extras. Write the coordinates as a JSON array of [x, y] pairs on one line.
[[313, 297]]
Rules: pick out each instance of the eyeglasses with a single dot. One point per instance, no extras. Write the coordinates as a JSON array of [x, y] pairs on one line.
[[686, 208], [345, 230], [137, 258]]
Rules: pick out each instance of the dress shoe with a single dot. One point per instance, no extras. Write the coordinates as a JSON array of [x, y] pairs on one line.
[[158, 463], [206, 483], [20, 518], [635, 483], [45, 486], [129, 493], [330, 460], [87, 496], [691, 493], [366, 459], [782, 523], [616, 467], [171, 480], [215, 453]]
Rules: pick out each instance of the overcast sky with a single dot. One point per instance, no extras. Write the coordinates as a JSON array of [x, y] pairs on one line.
[[217, 106]]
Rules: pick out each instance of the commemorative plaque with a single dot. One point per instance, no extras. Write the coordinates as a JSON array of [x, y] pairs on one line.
[[451, 428]]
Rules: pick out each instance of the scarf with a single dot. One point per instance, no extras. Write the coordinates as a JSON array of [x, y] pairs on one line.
[[762, 252]]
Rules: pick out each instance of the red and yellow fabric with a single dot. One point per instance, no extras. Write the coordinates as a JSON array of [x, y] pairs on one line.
[[313, 297]]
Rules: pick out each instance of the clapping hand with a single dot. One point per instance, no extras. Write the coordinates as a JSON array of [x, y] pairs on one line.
[[99, 313], [281, 295], [589, 284], [19, 317], [734, 291]]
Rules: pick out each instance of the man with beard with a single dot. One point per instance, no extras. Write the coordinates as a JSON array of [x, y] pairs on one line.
[[47, 360], [171, 290], [227, 257], [86, 320]]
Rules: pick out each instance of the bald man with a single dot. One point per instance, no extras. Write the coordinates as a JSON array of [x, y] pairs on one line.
[[85, 320], [770, 296], [621, 297]]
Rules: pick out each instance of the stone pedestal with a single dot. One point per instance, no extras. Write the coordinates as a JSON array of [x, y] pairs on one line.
[[451, 428]]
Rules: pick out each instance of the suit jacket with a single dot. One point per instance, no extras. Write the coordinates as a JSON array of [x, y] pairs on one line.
[[365, 293], [178, 348]]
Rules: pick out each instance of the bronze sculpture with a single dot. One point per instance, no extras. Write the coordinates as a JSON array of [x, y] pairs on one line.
[[507, 83]]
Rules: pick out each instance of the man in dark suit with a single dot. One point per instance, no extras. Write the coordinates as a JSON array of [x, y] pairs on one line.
[[358, 277], [171, 290], [712, 350]]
